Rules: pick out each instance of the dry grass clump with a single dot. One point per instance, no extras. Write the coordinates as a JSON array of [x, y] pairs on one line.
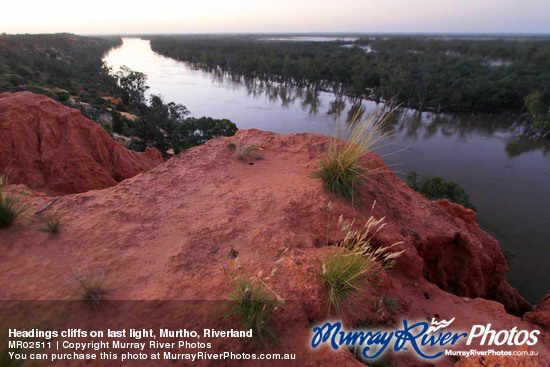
[[10, 208], [347, 269], [251, 304], [243, 152], [89, 286], [340, 169]]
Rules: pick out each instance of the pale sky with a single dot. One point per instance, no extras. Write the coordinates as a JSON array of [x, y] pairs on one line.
[[268, 16]]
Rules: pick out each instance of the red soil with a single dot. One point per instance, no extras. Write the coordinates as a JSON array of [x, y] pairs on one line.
[[55, 149], [166, 234]]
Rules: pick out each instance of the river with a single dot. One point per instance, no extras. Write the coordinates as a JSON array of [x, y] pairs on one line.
[[507, 177]]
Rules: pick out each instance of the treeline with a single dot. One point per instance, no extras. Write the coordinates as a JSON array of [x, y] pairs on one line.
[[48, 63], [70, 68], [437, 74]]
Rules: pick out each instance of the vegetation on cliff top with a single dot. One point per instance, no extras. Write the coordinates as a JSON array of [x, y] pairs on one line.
[[70, 68], [341, 167], [46, 63]]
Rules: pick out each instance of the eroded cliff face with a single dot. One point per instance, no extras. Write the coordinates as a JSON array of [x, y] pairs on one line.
[[54, 148], [183, 229]]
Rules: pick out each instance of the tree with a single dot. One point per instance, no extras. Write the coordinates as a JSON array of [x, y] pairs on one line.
[[134, 85], [536, 106], [194, 131]]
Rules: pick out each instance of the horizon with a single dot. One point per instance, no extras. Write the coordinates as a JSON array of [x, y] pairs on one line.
[[302, 34], [492, 17]]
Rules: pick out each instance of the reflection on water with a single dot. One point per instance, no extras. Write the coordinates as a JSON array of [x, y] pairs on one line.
[[415, 125], [506, 175], [517, 146]]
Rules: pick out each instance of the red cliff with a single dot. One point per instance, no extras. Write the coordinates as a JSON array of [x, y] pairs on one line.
[[184, 229], [51, 147]]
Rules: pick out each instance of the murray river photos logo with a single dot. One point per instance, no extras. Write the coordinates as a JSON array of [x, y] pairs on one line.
[[426, 340]]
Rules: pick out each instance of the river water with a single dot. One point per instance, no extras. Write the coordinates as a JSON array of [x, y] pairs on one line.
[[507, 177]]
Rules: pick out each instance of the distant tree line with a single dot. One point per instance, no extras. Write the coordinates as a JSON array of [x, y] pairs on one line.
[[436, 74], [44, 62], [64, 65]]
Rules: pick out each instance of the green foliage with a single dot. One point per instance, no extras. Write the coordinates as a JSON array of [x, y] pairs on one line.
[[107, 127], [538, 108], [343, 275], [63, 96], [427, 73], [165, 125], [341, 169], [436, 188], [15, 80], [120, 107], [52, 225], [136, 145], [10, 208], [346, 270], [251, 304], [134, 85], [193, 131], [117, 122], [62, 61]]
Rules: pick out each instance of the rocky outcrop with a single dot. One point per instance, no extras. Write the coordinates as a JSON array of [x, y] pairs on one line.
[[185, 229], [51, 147], [443, 243]]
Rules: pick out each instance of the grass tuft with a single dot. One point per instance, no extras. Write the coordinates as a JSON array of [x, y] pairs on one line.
[[251, 304], [52, 225], [10, 209], [347, 269], [89, 286], [340, 169], [243, 152]]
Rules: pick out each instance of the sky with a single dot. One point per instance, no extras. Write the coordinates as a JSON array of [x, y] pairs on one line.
[[281, 16]]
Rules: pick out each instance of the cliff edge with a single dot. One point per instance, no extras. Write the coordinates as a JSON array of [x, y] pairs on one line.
[[51, 147], [184, 229]]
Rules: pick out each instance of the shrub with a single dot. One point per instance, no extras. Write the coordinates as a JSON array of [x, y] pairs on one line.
[[63, 96], [436, 188], [52, 225], [136, 145], [15, 80], [341, 169], [120, 107], [117, 122], [346, 270], [251, 304]]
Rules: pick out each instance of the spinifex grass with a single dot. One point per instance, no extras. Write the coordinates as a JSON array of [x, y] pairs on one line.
[[89, 286], [251, 304], [52, 225], [346, 270], [242, 152], [10, 208], [341, 169]]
